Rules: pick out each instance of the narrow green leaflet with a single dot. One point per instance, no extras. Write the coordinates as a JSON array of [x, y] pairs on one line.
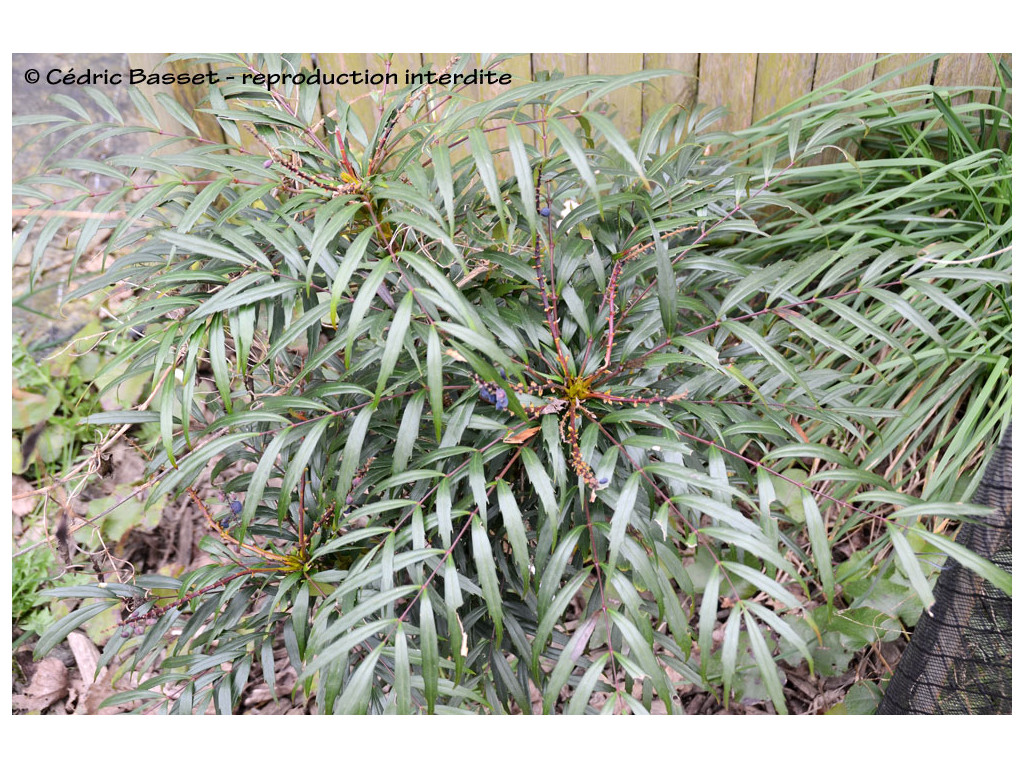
[[524, 174], [624, 507], [514, 529], [356, 696], [403, 673], [820, 546], [487, 575], [429, 652], [766, 664], [393, 345], [541, 484], [970, 560], [353, 258], [364, 298], [640, 650], [175, 110], [144, 107], [581, 697], [553, 610], [54, 634], [576, 155], [443, 174], [911, 566], [202, 202], [343, 645], [616, 139], [730, 645], [708, 614], [435, 380], [485, 167]]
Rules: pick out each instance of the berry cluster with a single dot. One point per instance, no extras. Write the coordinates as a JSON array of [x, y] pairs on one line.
[[492, 393]]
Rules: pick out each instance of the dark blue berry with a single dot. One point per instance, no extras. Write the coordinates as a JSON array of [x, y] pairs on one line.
[[545, 211], [500, 400], [236, 508], [486, 394]]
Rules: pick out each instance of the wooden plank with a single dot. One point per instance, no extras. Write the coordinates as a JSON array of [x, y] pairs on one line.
[[916, 76], [1008, 59], [919, 75], [677, 89], [727, 79], [781, 79], [958, 70], [626, 104], [836, 72], [1005, 137]]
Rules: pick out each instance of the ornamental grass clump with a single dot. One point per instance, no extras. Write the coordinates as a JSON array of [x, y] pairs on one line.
[[641, 418]]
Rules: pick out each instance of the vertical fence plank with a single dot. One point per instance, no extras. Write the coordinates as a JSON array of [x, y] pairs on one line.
[[957, 70], [727, 79], [677, 89], [919, 75], [1007, 58], [781, 79], [569, 64], [625, 103], [830, 67]]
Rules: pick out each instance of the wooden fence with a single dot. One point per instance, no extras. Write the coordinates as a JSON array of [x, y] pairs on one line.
[[752, 86]]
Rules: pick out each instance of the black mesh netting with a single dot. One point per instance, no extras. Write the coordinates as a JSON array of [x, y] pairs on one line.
[[958, 660]]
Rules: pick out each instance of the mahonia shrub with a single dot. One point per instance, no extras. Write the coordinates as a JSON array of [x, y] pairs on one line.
[[506, 411]]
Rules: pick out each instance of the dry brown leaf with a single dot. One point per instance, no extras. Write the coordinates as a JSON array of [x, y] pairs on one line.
[[521, 436], [19, 487], [553, 406], [49, 684], [786, 312], [86, 655], [97, 692], [455, 355]]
